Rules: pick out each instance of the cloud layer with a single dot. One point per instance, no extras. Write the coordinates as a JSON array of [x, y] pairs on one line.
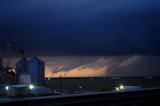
[[99, 66], [131, 65], [81, 27]]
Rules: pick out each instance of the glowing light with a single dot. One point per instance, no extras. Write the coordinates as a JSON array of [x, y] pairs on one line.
[[7, 88], [31, 86], [121, 87], [80, 87], [117, 89]]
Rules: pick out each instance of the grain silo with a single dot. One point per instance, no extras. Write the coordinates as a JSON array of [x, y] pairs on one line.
[[22, 66], [21, 69], [36, 71]]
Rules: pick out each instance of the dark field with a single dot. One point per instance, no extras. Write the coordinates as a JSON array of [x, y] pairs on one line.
[[100, 83]]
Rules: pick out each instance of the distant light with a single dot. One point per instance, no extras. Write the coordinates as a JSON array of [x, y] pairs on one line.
[[31, 86], [121, 87], [80, 87], [49, 78], [7, 88], [117, 89]]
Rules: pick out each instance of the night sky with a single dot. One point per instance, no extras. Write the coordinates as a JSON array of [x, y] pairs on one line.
[[81, 27]]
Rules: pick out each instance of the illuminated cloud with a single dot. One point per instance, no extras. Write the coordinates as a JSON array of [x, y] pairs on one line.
[[130, 65], [130, 60], [82, 72], [97, 66]]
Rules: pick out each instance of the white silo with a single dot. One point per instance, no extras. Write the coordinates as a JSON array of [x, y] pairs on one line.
[[36, 71], [22, 66], [21, 69]]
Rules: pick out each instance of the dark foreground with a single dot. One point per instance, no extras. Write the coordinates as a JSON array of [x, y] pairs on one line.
[[96, 84], [145, 97]]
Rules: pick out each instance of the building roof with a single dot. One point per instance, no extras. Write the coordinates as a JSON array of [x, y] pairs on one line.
[[35, 59]]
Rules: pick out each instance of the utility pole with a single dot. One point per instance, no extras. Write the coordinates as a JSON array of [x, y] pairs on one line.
[[60, 84]]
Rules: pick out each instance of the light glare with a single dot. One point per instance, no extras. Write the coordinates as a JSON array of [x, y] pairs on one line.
[[31, 86], [7, 88], [121, 87]]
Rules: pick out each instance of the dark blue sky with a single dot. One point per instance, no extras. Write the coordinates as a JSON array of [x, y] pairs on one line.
[[81, 27]]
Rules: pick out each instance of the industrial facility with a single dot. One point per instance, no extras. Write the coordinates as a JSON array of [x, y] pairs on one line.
[[30, 71], [7, 74], [26, 78], [28, 74]]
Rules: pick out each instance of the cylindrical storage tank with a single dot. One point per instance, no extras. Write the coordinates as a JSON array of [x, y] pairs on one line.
[[21, 68], [36, 70]]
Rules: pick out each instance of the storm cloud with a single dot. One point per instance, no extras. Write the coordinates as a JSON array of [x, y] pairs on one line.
[[97, 66], [81, 27]]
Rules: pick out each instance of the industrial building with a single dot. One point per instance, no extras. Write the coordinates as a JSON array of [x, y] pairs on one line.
[[30, 71], [16, 90], [22, 71], [7, 76], [36, 70], [22, 66], [26, 78]]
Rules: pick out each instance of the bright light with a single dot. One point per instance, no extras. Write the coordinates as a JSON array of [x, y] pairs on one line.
[[117, 89], [7, 88], [31, 86], [121, 87]]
